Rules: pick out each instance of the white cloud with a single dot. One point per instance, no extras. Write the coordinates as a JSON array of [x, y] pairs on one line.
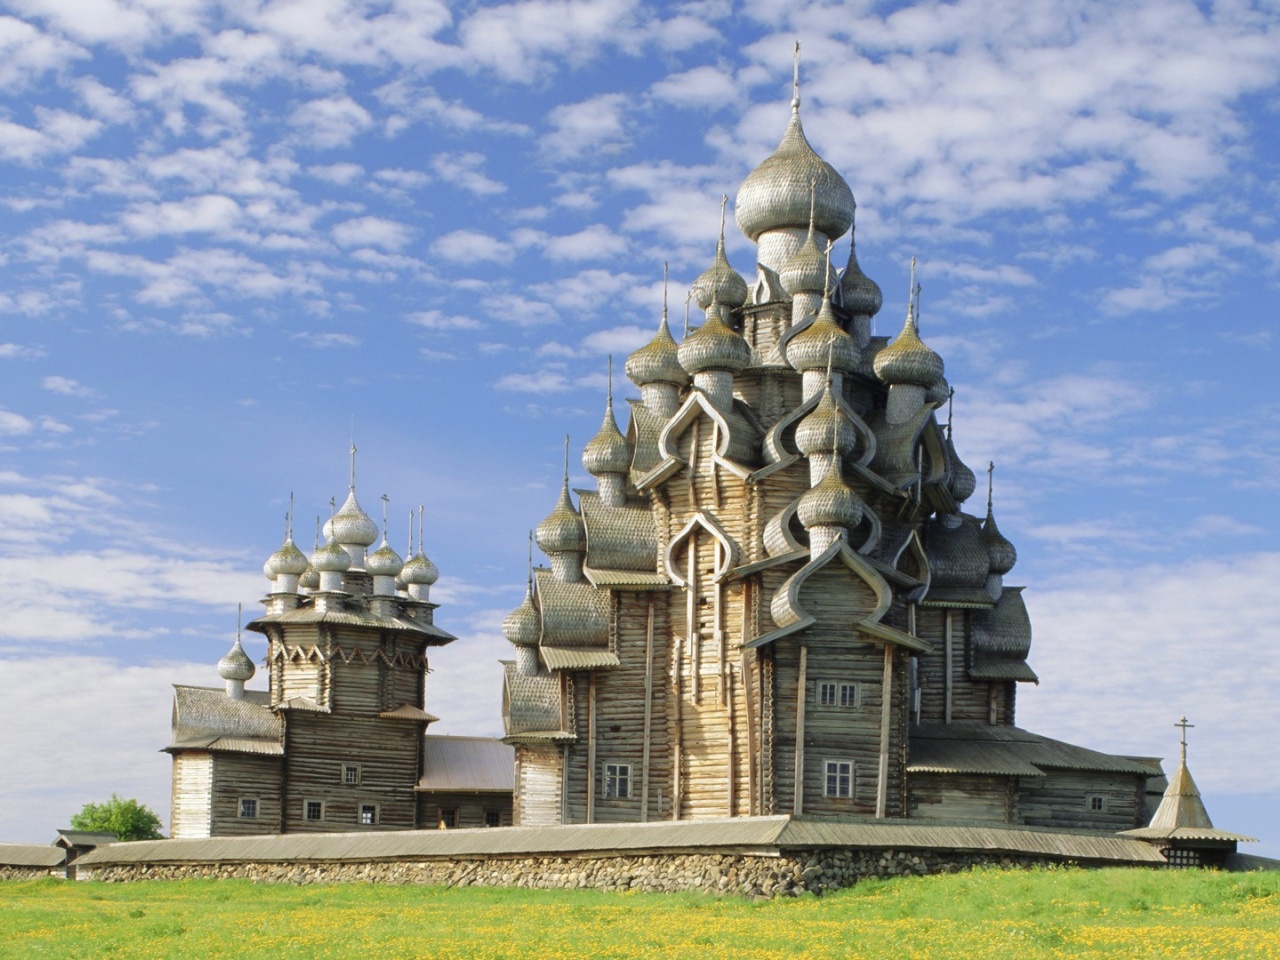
[[67, 387], [56, 131], [340, 173], [13, 424], [704, 87], [1178, 628], [415, 103], [327, 340], [211, 213], [437, 320], [471, 246], [596, 242], [520, 41], [330, 122], [26, 53], [619, 341], [546, 380], [372, 232], [17, 351], [593, 127], [463, 170]]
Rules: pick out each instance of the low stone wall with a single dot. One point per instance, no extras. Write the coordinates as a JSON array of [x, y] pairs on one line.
[[789, 874], [27, 873]]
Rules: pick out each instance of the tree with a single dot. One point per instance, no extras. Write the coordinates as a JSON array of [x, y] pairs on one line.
[[125, 817]]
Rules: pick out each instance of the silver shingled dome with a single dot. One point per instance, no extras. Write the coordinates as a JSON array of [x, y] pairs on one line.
[[657, 361], [236, 665], [351, 525], [562, 530], [714, 346], [608, 451], [523, 626], [384, 562]]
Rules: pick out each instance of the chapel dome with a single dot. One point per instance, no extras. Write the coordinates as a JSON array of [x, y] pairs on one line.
[[523, 625], [351, 525], [808, 268], [714, 346], [331, 558], [236, 665], [719, 283], [859, 294], [907, 359], [1000, 551], [384, 562], [419, 570], [657, 361], [830, 503], [825, 429], [287, 560], [608, 451], [821, 343], [562, 530], [776, 193]]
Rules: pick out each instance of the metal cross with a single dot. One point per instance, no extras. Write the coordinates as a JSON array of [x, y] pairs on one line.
[[1185, 726]]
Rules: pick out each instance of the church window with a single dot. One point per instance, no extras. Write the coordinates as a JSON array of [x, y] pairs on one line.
[[839, 779], [248, 808], [1096, 803], [368, 813], [351, 773], [617, 781], [841, 695], [313, 809], [492, 818], [448, 819], [1181, 857]]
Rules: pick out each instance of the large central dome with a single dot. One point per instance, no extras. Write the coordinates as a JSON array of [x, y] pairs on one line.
[[776, 193]]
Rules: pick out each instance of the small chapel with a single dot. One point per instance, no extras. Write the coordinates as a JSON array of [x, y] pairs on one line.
[[777, 600]]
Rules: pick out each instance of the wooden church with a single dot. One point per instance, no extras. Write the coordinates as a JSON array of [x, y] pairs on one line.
[[775, 600], [338, 740]]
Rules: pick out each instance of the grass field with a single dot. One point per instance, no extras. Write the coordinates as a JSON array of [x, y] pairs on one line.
[[988, 913]]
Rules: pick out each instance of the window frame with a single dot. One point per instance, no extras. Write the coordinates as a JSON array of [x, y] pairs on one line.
[[342, 774], [616, 785], [306, 811], [827, 774], [1097, 802], [377, 814], [838, 694], [240, 806], [495, 816], [446, 818]]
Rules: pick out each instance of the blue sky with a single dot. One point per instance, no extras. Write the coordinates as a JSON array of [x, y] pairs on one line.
[[234, 235]]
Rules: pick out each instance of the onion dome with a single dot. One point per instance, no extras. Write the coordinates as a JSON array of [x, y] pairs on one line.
[[714, 346], [962, 481], [957, 556], [807, 270], [419, 570], [776, 193], [236, 665], [859, 294], [351, 525], [331, 558], [523, 625], [608, 451], [310, 578], [562, 530], [907, 359], [823, 343], [719, 283], [288, 560], [1002, 554], [658, 360], [826, 428], [384, 562], [831, 503]]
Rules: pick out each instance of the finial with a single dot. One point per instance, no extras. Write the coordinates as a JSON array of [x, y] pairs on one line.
[[288, 532], [566, 461], [240, 617], [609, 401], [385, 500], [421, 540], [911, 294], [664, 291], [353, 465], [831, 353], [826, 282], [687, 297], [951, 396], [724, 199], [1185, 726], [795, 80], [333, 506], [991, 470], [316, 545], [409, 552], [813, 201], [530, 561]]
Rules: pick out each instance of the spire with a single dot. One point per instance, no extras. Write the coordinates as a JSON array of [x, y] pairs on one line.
[[795, 80], [566, 463], [353, 466], [911, 296], [991, 471], [664, 285], [1185, 726], [530, 576], [951, 399]]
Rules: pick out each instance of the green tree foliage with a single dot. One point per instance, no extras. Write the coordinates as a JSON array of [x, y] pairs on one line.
[[125, 817]]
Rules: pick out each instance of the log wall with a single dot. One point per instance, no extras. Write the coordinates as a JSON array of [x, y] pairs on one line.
[[1060, 799], [538, 786], [191, 816]]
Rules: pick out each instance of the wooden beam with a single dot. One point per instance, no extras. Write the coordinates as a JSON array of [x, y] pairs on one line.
[[948, 667], [648, 715], [728, 679], [678, 736], [991, 703], [591, 747], [797, 806], [748, 690], [886, 704], [564, 783], [695, 635]]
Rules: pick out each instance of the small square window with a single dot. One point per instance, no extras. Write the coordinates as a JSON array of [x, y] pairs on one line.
[[839, 779], [351, 773], [1097, 803], [492, 818], [617, 781], [448, 819], [248, 808], [313, 809], [368, 813], [826, 694], [848, 694]]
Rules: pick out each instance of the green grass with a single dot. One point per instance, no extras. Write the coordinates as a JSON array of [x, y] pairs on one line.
[[986, 913]]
